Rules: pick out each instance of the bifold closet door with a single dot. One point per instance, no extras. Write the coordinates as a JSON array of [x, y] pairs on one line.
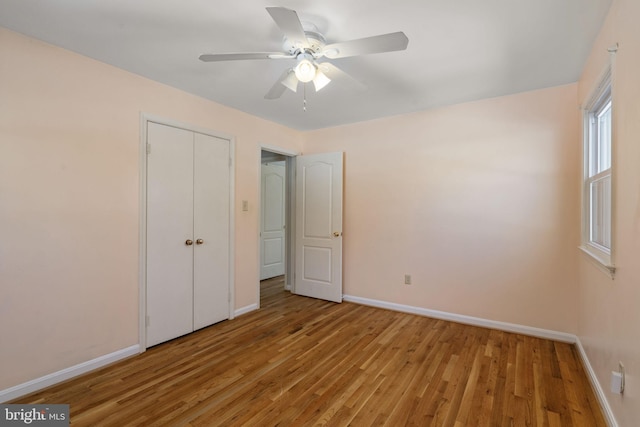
[[169, 230]]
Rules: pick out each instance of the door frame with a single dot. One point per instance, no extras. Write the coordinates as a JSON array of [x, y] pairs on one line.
[[142, 219], [290, 169]]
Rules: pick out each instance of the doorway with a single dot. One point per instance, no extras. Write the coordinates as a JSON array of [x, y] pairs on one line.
[[272, 215], [276, 219], [313, 189]]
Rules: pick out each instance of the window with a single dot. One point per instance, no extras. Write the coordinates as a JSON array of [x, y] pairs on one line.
[[596, 235]]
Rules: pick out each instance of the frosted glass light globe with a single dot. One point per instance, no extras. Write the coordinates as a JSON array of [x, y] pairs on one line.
[[305, 71]]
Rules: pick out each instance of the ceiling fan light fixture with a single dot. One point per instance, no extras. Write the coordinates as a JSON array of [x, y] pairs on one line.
[[320, 80], [291, 82], [305, 70], [304, 42]]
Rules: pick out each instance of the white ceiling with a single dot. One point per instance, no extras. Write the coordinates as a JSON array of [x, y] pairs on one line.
[[459, 50]]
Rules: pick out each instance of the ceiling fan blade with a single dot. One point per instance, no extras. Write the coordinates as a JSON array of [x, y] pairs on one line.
[[215, 57], [376, 44], [282, 84], [334, 73], [290, 25]]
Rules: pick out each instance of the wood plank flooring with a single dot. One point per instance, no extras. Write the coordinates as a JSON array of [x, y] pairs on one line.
[[299, 361]]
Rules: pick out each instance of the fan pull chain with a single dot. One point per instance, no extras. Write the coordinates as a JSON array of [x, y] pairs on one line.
[[304, 102]]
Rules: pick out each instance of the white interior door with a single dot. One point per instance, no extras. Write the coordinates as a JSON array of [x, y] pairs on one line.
[[169, 226], [210, 230], [272, 221], [319, 226]]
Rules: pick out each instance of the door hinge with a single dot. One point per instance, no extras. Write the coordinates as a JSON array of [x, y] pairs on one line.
[[148, 148], [147, 321]]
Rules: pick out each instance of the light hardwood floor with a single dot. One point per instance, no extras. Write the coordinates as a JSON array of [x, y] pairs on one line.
[[301, 361]]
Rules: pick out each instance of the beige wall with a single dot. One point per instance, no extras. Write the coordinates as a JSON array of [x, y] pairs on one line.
[[478, 202], [609, 310], [69, 141]]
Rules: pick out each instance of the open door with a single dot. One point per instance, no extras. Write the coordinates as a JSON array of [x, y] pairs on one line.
[[319, 226]]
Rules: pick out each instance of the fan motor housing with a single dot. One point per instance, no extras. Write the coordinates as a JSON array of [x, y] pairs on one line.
[[315, 39]]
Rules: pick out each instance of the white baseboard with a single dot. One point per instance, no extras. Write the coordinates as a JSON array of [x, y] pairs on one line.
[[602, 398], [244, 310], [475, 321], [65, 374]]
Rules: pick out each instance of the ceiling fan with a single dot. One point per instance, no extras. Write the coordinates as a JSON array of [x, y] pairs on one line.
[[304, 43]]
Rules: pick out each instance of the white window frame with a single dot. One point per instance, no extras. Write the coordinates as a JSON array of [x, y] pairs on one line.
[[599, 248]]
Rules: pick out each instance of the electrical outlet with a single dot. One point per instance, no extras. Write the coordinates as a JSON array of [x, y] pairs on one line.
[[407, 279]]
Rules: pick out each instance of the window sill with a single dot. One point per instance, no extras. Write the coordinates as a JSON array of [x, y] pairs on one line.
[[603, 264]]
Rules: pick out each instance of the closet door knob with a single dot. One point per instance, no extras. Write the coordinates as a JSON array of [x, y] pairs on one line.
[[199, 242], [189, 242]]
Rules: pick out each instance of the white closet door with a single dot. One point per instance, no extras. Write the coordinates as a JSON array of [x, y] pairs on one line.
[[211, 228], [169, 226]]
